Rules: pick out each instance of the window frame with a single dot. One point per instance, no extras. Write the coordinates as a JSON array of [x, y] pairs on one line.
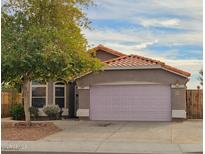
[[54, 93], [39, 85]]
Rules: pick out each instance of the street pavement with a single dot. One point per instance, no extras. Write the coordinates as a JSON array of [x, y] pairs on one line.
[[99, 147]]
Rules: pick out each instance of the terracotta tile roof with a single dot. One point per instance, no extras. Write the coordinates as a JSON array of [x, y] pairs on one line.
[[174, 69], [137, 61], [108, 50]]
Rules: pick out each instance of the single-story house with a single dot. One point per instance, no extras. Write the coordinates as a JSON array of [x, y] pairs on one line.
[[129, 88]]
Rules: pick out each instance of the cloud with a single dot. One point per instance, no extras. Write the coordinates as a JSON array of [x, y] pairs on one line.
[[186, 14], [121, 9], [145, 45], [159, 22], [134, 36]]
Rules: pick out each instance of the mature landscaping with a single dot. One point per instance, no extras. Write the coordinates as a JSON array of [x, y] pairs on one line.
[[42, 41], [20, 131], [53, 112]]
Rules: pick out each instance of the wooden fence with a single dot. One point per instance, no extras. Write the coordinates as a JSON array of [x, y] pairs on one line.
[[194, 104], [7, 99]]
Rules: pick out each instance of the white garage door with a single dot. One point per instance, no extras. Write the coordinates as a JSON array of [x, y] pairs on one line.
[[130, 103]]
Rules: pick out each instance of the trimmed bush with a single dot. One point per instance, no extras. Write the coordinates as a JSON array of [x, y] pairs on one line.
[[17, 112], [52, 111], [34, 112]]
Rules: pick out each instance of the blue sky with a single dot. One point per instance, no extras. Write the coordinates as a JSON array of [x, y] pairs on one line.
[[167, 30]]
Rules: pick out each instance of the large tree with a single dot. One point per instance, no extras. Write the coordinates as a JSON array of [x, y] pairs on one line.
[[42, 40]]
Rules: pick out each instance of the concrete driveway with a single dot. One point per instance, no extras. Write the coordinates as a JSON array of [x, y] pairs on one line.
[[186, 132]]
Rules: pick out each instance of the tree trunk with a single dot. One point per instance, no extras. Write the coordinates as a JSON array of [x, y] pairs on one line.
[[26, 102]]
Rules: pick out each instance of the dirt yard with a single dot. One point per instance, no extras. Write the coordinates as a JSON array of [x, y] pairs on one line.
[[19, 131]]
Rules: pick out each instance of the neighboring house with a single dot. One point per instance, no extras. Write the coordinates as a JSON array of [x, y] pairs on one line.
[[130, 87]]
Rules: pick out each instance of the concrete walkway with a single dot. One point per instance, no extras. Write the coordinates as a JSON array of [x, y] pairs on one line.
[[99, 147]]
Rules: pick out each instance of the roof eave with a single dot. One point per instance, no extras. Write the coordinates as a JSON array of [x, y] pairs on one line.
[[186, 76]]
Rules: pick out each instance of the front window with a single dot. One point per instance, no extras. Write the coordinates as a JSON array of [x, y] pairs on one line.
[[38, 94], [59, 93]]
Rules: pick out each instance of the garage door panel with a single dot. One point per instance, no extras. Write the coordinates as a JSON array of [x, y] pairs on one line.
[[131, 102], [133, 117]]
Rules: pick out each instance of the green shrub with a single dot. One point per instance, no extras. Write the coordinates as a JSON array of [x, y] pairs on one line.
[[17, 111], [34, 112], [52, 111]]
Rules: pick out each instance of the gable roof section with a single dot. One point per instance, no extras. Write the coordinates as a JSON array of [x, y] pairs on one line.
[[136, 61], [100, 47]]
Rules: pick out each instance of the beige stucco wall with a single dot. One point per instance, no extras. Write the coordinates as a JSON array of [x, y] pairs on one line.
[[148, 75], [84, 98], [67, 96], [178, 95], [178, 98], [50, 93]]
